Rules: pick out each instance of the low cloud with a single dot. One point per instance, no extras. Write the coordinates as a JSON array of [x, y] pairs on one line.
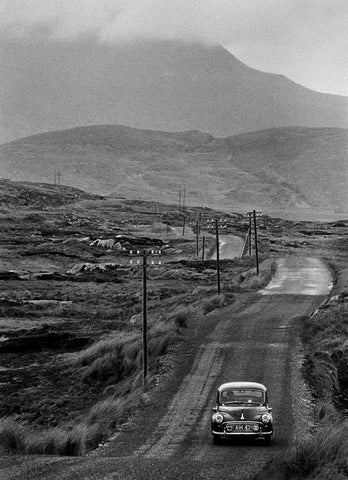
[[223, 21], [267, 34]]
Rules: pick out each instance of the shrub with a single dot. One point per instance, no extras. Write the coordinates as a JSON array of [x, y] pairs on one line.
[[106, 413], [321, 375], [110, 344], [250, 280], [159, 343], [46, 442], [179, 316], [212, 303], [11, 436], [325, 411], [253, 281], [78, 440]]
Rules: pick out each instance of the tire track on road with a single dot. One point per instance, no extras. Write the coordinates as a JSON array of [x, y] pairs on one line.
[[186, 404]]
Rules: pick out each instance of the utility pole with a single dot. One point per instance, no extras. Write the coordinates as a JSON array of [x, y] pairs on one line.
[[145, 338], [183, 202], [249, 213], [184, 223], [217, 256], [197, 238], [180, 199], [203, 248], [145, 265], [256, 249]]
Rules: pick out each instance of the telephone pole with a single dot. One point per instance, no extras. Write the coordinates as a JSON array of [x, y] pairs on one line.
[[184, 223], [256, 248], [252, 214], [145, 333], [217, 256], [144, 255], [57, 176], [249, 213], [203, 248]]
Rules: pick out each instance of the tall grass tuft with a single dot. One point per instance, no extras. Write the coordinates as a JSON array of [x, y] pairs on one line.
[[324, 456], [212, 303], [253, 281], [11, 436], [326, 351], [46, 442], [16, 438], [326, 451], [180, 316]]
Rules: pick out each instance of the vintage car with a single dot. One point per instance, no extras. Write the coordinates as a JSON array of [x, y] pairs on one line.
[[242, 409]]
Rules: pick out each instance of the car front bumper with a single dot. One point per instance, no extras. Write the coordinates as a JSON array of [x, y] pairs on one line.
[[256, 429], [238, 433]]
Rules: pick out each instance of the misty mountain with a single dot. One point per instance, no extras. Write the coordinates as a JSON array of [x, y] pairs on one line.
[[290, 171], [161, 85]]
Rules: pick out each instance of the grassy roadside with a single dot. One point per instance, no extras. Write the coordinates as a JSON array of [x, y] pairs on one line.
[[112, 366], [323, 456]]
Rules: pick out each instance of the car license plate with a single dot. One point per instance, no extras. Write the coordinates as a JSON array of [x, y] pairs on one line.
[[242, 427]]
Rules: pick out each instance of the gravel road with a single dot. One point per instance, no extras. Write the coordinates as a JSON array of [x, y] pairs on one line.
[[256, 340], [230, 246]]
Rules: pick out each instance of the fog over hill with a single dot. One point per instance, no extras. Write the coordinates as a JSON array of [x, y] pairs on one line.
[[294, 172], [163, 85]]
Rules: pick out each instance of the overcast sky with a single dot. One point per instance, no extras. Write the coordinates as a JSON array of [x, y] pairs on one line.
[[306, 40]]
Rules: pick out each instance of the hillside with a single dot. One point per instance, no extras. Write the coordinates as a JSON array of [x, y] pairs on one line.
[[39, 195], [297, 172], [161, 85]]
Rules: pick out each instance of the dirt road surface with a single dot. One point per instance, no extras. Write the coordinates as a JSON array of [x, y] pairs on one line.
[[256, 340], [230, 247]]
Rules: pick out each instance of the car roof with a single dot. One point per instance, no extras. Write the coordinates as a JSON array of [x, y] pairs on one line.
[[229, 385]]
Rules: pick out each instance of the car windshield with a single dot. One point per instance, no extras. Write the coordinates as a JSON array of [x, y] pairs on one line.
[[242, 395]]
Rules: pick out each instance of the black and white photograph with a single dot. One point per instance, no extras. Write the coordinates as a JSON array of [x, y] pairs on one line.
[[173, 239]]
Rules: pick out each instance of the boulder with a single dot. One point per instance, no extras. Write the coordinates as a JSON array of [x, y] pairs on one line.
[[105, 243]]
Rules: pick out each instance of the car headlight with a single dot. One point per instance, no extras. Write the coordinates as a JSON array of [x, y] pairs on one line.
[[266, 418], [219, 418]]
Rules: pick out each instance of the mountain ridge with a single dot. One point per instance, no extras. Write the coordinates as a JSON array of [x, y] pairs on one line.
[[159, 85], [289, 170]]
